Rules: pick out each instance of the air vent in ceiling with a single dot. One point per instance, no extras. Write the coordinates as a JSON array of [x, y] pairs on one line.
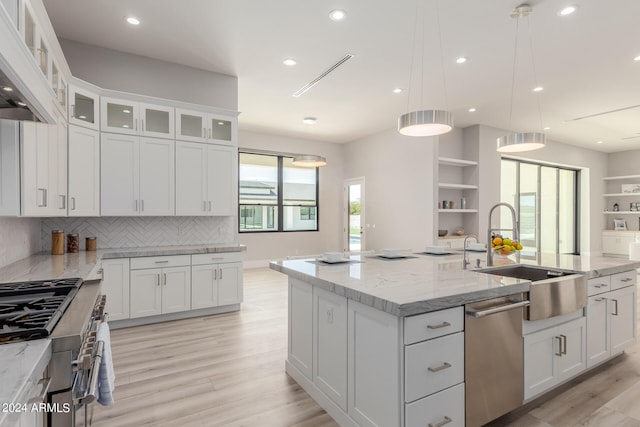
[[604, 112], [315, 81]]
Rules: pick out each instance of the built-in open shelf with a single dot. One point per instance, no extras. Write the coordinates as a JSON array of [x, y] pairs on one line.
[[621, 195], [449, 161], [611, 178], [457, 186], [621, 212], [461, 210]]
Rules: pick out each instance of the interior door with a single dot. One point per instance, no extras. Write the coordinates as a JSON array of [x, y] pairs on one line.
[[354, 207]]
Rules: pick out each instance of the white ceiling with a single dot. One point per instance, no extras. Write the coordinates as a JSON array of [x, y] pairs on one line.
[[584, 61]]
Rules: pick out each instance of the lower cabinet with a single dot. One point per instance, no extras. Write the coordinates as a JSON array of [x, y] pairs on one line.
[[300, 336], [160, 290], [440, 409], [553, 355], [617, 242], [216, 279], [115, 285]]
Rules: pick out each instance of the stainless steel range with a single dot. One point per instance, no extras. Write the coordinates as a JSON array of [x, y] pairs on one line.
[[67, 311]]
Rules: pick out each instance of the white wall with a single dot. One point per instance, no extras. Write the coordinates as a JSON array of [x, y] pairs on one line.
[[399, 186], [111, 69], [20, 238], [263, 247]]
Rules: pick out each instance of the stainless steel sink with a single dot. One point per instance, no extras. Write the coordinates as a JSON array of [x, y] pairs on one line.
[[552, 292]]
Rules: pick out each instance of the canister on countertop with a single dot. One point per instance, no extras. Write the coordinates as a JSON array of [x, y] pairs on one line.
[[90, 244], [57, 242], [72, 243]]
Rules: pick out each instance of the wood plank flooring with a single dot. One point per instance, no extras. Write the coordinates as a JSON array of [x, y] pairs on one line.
[[228, 370]]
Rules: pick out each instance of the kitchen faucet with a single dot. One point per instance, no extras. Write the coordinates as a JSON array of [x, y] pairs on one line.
[[465, 260], [514, 230]]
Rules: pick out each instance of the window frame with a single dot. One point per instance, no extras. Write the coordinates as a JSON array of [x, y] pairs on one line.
[[279, 205]]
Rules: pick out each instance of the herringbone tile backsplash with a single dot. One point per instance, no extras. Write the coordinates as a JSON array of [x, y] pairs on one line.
[[131, 232]]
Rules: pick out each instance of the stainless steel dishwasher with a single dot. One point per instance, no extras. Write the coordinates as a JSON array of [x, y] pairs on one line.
[[493, 358]]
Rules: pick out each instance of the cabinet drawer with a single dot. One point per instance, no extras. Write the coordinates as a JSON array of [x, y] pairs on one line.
[[214, 258], [444, 408], [432, 325], [622, 280], [160, 261], [598, 285], [433, 365]]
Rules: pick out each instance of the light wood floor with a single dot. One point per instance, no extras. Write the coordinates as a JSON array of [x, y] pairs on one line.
[[228, 370]]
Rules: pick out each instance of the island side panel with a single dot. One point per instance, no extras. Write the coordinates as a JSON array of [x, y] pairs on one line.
[[301, 326]]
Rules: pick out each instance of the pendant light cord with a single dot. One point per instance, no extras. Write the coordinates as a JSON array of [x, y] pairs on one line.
[[444, 80], [413, 53], [513, 72], [533, 67]]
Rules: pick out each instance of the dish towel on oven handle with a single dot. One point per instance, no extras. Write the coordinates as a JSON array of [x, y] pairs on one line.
[[106, 374]]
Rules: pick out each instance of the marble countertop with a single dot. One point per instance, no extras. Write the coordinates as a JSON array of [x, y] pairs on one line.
[[84, 264], [22, 366], [424, 283]]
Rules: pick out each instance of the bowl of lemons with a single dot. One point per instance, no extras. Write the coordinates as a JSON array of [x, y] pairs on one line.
[[504, 246]]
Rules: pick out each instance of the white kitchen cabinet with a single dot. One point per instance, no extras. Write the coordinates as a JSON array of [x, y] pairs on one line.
[[440, 409], [58, 141], [206, 179], [137, 176], [197, 126], [216, 279], [84, 107], [300, 322], [611, 316], [33, 35], [9, 168], [617, 242], [330, 349], [160, 290], [553, 355], [115, 285], [373, 366], [84, 172], [134, 118]]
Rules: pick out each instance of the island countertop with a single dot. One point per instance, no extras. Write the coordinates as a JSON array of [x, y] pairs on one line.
[[423, 283]]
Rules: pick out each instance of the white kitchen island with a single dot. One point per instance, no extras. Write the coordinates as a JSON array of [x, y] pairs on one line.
[[381, 342]]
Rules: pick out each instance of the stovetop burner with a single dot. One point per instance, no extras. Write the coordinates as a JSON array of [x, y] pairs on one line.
[[30, 310]]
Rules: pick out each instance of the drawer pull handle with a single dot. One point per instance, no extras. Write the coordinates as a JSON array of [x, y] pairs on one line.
[[441, 325], [442, 367], [602, 285], [600, 299], [446, 420], [161, 262], [628, 279]]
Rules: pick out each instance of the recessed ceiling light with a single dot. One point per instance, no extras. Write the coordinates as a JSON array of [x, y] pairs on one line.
[[546, 128], [599, 142], [220, 123], [472, 110], [637, 58], [337, 15], [461, 60], [309, 120], [82, 117], [133, 21], [568, 10], [126, 111], [397, 90], [538, 89], [125, 126], [289, 62], [7, 89], [22, 104]]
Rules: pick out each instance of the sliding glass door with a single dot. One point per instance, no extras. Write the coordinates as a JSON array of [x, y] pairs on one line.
[[545, 198]]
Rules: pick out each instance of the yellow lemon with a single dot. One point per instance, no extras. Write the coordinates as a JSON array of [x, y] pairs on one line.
[[497, 241]]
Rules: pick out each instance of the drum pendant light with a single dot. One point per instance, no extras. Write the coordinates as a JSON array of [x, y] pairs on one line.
[[427, 122], [522, 141], [309, 161]]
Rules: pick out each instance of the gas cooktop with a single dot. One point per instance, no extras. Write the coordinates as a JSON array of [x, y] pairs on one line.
[[30, 310]]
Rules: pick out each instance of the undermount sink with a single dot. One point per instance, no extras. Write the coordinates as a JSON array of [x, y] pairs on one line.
[[524, 272], [552, 292]]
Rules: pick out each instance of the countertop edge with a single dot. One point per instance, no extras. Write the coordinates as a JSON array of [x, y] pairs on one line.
[[169, 250]]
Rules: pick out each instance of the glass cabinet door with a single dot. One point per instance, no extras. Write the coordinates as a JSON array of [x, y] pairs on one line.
[[157, 121], [221, 130], [120, 116], [30, 32], [43, 58], [83, 108], [191, 126]]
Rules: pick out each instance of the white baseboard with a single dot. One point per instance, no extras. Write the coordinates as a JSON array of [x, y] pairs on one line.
[[261, 263]]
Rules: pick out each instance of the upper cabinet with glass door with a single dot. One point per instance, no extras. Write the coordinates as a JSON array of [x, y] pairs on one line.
[[34, 39], [83, 107], [198, 126], [133, 118]]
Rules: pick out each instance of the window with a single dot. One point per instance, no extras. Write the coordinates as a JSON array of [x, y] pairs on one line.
[[275, 195], [545, 198]]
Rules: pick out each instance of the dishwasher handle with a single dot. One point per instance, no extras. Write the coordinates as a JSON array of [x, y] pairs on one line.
[[482, 313]]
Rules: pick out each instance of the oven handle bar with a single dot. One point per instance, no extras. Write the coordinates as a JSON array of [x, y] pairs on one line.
[[92, 386]]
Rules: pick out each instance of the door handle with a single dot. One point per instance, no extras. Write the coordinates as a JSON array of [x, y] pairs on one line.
[[44, 198], [135, 124], [215, 274], [142, 204], [204, 132], [615, 305], [164, 276], [64, 201], [142, 125], [158, 279], [559, 353], [73, 203], [209, 205], [220, 274], [136, 205], [564, 344]]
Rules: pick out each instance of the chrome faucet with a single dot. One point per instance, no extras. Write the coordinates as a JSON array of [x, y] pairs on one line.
[[514, 230], [465, 260]]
